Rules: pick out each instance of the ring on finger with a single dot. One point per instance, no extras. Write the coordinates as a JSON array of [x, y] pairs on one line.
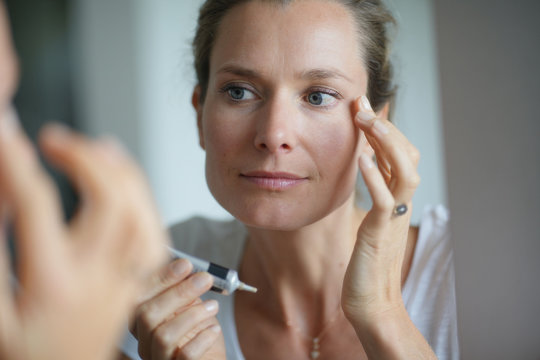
[[400, 209]]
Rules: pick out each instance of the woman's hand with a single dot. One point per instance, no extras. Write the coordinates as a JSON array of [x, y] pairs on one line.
[[373, 281], [371, 296], [77, 282], [172, 322]]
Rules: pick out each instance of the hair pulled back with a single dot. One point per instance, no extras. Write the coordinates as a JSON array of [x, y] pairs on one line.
[[372, 20]]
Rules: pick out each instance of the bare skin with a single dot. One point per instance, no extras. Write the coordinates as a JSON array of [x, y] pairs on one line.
[[339, 339]]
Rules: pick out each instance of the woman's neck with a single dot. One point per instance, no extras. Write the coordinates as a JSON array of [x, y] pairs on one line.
[[300, 273]]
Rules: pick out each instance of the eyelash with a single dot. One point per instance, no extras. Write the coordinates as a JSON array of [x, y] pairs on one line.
[[325, 91], [225, 89]]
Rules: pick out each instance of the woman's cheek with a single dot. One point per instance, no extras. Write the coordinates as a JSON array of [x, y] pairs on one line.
[[333, 133], [336, 143], [223, 134], [217, 123]]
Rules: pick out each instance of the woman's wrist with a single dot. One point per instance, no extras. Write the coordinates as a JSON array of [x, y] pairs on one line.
[[390, 334]]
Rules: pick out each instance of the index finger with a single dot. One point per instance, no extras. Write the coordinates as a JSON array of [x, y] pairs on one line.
[[392, 146], [171, 274], [372, 124]]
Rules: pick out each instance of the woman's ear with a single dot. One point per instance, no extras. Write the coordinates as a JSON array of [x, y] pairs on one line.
[[197, 105]]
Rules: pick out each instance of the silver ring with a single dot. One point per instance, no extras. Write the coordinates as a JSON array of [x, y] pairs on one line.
[[400, 209]]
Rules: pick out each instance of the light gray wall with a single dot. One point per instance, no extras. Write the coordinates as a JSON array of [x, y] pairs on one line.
[[489, 59], [136, 80], [418, 109], [107, 89]]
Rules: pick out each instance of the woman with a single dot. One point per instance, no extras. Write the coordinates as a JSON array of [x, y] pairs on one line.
[[284, 112]]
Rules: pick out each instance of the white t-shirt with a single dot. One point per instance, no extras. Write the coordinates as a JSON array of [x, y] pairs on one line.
[[428, 293]]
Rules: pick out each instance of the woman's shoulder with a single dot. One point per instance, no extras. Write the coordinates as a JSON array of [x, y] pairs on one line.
[[433, 245], [433, 252], [429, 292], [428, 240], [219, 241], [434, 223]]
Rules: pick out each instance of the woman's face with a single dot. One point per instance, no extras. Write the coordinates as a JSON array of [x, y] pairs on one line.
[[277, 120]]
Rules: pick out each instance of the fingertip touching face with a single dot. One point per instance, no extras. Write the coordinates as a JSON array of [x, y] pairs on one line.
[[277, 120]]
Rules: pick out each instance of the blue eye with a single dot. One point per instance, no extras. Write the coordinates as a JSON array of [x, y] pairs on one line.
[[319, 98], [238, 93]]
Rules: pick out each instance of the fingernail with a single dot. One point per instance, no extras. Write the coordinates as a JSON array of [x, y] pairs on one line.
[[215, 328], [9, 124], [380, 127], [366, 114], [201, 280], [180, 267], [364, 104], [366, 161], [211, 305]]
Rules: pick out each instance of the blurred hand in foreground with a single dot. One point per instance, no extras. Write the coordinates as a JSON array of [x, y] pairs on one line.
[[77, 281]]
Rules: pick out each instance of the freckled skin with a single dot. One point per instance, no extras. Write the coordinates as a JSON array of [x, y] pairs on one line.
[[279, 129]]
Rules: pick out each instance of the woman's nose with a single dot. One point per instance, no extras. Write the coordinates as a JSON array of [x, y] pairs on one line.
[[277, 128]]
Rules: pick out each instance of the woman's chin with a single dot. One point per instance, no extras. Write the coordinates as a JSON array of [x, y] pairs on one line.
[[281, 211], [273, 223], [276, 216]]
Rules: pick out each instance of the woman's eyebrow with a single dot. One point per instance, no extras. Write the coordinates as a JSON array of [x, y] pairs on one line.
[[324, 74], [239, 71], [311, 74]]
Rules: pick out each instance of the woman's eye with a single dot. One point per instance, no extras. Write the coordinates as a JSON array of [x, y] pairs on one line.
[[239, 94], [319, 98]]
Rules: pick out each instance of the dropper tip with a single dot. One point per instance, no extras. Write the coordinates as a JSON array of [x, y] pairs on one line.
[[246, 287]]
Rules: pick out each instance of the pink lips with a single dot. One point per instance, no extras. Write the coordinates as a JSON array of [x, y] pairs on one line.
[[275, 181]]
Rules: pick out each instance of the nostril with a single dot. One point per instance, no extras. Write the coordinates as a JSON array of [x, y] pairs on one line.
[[285, 147], [274, 141]]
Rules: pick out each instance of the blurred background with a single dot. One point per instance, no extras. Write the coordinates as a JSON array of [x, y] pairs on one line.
[[468, 84]]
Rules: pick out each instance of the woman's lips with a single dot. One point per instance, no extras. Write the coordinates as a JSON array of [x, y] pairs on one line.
[[275, 181]]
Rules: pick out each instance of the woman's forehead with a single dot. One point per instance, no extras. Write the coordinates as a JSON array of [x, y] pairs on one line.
[[288, 39]]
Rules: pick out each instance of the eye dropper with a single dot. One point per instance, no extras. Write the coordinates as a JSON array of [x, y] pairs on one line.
[[225, 280]]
